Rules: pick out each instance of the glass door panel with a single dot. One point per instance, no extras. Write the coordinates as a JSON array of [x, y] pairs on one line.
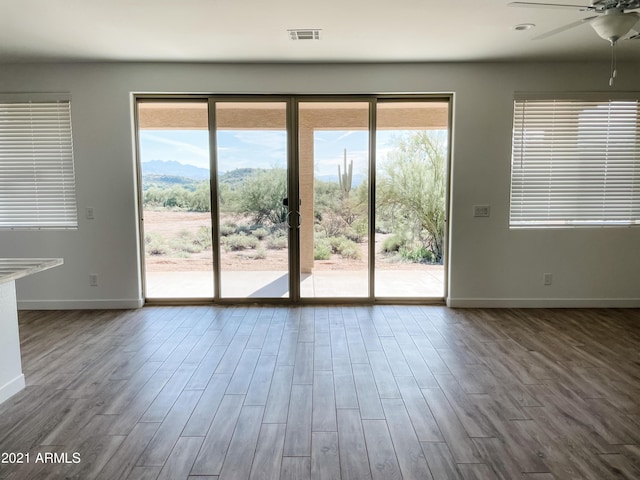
[[411, 171], [325, 235], [251, 158], [173, 139], [333, 177]]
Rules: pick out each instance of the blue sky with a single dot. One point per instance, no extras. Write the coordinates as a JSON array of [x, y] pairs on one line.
[[259, 148]]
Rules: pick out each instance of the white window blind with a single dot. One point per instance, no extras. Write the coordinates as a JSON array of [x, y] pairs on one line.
[[37, 181], [575, 163]]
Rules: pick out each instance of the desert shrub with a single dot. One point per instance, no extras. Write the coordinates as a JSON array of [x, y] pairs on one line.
[[203, 236], [333, 224], [155, 244], [319, 232], [358, 230], [350, 249], [243, 229], [322, 249], [334, 243], [260, 233], [326, 197], [392, 244], [417, 255], [276, 242], [228, 229], [239, 241], [152, 237], [344, 247], [353, 235], [185, 241], [191, 247], [156, 248], [260, 254]]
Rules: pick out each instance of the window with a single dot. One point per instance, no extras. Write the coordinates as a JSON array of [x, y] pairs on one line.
[[575, 163], [37, 181]]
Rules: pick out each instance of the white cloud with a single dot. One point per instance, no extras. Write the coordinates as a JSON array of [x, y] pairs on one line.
[[184, 146], [273, 140], [345, 135]]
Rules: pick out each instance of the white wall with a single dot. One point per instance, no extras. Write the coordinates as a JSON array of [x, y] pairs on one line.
[[490, 265]]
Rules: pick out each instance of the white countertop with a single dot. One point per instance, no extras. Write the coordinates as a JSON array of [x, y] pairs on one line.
[[14, 268]]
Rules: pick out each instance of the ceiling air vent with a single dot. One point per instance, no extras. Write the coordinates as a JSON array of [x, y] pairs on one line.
[[304, 34]]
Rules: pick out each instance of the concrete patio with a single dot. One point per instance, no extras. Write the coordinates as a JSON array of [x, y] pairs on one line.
[[320, 284]]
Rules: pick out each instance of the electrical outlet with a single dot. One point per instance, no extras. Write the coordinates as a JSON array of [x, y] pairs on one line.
[[481, 210], [93, 279], [547, 278], [89, 213]]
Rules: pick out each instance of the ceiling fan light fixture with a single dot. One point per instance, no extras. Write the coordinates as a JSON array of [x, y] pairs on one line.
[[613, 27]]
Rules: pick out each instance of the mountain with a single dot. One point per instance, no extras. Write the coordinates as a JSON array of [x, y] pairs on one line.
[[151, 180], [235, 177], [172, 168], [187, 176], [169, 173]]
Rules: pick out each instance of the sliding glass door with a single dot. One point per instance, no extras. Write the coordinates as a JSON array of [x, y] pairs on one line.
[[312, 199], [333, 159], [252, 202], [174, 174], [411, 193]]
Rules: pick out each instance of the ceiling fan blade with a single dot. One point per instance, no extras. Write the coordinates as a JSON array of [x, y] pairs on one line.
[[633, 35], [634, 31], [548, 5], [564, 28]]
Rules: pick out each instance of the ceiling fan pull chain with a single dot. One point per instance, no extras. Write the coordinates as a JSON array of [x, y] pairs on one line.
[[614, 71]]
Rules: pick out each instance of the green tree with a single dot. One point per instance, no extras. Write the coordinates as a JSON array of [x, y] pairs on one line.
[[200, 200], [326, 197], [411, 189], [177, 197], [261, 195], [155, 196]]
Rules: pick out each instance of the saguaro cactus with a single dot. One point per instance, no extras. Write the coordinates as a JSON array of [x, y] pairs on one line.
[[346, 177]]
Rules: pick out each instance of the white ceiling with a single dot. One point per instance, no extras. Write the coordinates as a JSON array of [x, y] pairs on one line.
[[256, 31]]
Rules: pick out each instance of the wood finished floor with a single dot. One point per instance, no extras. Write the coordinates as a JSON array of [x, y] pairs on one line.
[[328, 393]]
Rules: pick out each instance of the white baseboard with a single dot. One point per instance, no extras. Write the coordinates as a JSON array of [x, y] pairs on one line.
[[125, 304], [9, 389], [543, 302]]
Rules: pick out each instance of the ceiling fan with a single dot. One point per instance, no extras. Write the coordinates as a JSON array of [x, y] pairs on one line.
[[612, 21]]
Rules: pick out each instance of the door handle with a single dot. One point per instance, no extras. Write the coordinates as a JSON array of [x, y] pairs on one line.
[[285, 202], [289, 219]]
